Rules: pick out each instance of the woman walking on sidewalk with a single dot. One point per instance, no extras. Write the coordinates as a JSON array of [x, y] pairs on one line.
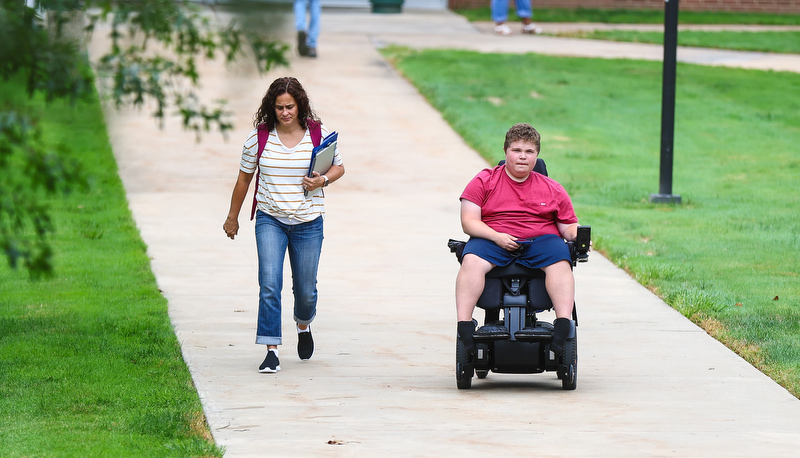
[[291, 207]]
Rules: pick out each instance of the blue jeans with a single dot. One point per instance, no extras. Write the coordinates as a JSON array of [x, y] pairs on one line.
[[304, 243], [500, 9], [315, 9]]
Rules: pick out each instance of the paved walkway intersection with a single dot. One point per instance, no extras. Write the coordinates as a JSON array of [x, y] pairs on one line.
[[381, 382]]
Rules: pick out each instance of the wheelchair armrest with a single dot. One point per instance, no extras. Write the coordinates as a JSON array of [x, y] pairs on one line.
[[457, 247], [573, 256]]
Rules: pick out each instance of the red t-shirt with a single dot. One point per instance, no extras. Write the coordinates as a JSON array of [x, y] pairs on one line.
[[523, 210]]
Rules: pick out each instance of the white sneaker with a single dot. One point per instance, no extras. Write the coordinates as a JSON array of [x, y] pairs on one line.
[[532, 29], [502, 29]]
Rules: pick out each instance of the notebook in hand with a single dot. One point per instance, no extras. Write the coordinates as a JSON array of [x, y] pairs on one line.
[[322, 155]]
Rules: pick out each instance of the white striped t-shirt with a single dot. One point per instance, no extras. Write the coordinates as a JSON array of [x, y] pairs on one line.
[[280, 181]]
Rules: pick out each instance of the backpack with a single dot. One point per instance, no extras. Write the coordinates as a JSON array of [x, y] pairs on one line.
[[314, 128]]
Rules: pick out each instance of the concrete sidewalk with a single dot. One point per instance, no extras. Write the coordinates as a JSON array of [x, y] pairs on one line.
[[619, 50], [381, 382], [437, 31]]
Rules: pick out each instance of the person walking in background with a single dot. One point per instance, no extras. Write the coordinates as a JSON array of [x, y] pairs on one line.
[[307, 30], [291, 207], [500, 16]]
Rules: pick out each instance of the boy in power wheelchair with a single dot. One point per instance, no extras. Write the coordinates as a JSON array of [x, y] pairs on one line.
[[516, 261]]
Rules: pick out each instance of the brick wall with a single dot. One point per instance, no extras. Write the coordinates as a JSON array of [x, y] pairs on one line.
[[762, 6]]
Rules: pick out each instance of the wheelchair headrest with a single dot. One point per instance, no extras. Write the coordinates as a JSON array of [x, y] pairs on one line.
[[540, 166]]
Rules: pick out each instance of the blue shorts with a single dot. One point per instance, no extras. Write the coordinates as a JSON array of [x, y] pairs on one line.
[[541, 252]]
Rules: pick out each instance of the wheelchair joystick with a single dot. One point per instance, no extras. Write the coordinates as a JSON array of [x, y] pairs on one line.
[[583, 242]]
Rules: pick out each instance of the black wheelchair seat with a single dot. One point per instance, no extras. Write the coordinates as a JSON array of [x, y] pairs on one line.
[[514, 270]]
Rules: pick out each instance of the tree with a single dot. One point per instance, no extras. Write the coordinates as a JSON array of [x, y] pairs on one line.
[[153, 49]]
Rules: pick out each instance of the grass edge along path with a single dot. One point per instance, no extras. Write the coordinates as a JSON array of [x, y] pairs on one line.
[[89, 361], [727, 257]]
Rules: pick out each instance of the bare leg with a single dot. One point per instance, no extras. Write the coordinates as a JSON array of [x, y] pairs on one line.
[[469, 284], [560, 286]]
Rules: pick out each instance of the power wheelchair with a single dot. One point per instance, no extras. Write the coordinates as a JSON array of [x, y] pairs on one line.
[[517, 342]]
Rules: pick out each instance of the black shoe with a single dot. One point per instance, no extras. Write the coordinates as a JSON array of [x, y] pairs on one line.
[[466, 329], [561, 330], [312, 52], [305, 345], [302, 49], [271, 363]]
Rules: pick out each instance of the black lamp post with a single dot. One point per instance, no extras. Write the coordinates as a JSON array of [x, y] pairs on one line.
[[668, 105]]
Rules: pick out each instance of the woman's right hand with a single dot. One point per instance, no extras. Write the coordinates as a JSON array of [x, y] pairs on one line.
[[231, 227]]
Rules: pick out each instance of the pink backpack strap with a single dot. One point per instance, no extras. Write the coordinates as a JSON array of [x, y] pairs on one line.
[[314, 128], [263, 136]]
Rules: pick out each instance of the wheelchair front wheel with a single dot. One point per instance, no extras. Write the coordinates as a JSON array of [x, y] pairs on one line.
[[481, 373], [464, 366], [569, 375]]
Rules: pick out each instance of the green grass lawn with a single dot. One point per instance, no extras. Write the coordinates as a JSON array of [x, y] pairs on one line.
[[728, 256], [89, 362]]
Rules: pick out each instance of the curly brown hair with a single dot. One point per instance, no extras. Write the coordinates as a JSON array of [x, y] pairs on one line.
[[287, 84], [524, 132]]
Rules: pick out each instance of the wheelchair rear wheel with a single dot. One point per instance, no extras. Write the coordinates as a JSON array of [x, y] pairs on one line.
[[464, 366]]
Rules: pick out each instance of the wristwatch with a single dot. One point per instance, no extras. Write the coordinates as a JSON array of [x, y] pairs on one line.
[[327, 181]]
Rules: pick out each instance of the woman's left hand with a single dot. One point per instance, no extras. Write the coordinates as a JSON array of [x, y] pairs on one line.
[[313, 182]]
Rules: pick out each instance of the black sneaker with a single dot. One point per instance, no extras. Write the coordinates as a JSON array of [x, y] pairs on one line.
[[305, 345], [302, 49], [271, 363], [311, 52], [561, 331]]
